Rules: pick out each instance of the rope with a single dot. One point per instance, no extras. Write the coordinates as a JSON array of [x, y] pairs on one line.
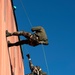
[[45, 59], [25, 12]]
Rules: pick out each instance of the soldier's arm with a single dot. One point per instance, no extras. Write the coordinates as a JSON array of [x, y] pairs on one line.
[[31, 65], [38, 28]]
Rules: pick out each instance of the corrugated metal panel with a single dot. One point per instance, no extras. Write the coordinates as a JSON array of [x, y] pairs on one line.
[[10, 58]]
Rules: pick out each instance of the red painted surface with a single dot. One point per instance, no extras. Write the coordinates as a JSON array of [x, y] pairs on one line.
[[9, 56]]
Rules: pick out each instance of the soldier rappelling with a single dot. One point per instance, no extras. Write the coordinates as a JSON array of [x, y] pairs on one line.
[[37, 37], [35, 70]]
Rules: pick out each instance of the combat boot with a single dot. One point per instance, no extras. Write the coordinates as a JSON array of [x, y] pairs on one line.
[[9, 44], [8, 34]]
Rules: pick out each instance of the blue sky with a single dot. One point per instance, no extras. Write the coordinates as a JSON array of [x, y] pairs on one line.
[[58, 19]]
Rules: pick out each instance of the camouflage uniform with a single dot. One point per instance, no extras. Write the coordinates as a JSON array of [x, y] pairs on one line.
[[35, 70], [38, 37], [41, 34]]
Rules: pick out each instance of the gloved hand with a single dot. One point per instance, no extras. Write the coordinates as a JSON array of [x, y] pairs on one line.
[[28, 56]]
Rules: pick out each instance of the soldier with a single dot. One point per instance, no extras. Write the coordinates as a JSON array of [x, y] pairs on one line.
[[38, 37], [35, 70]]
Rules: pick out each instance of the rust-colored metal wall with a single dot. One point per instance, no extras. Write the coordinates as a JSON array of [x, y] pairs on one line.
[[10, 58]]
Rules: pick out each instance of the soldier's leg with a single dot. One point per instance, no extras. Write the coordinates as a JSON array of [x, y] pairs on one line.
[[23, 33], [17, 43], [18, 33], [11, 34]]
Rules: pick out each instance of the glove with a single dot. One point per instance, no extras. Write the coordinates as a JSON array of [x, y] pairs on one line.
[[28, 55]]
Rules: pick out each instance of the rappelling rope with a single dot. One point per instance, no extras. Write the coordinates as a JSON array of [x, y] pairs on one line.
[[42, 44], [25, 12], [45, 59]]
